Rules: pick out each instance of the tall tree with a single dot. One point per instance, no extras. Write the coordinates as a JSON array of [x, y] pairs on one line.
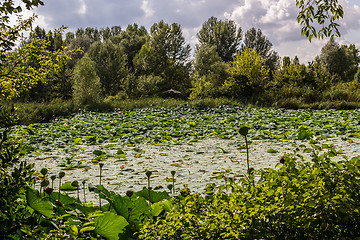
[[256, 40], [110, 65], [81, 42], [223, 34], [87, 86], [131, 40], [248, 74], [166, 54]]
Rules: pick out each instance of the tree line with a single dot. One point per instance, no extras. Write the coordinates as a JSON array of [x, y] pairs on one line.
[[116, 63]]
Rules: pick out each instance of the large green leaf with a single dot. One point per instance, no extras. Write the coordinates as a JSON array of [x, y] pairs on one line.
[[38, 204], [135, 210], [154, 196], [110, 225]]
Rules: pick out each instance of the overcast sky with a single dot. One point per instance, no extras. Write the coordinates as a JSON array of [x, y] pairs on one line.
[[276, 18]]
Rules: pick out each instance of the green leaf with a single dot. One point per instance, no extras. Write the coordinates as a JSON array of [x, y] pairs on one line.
[[40, 205], [64, 199], [110, 225], [154, 196], [98, 152], [157, 208], [68, 187], [271, 151], [78, 141]]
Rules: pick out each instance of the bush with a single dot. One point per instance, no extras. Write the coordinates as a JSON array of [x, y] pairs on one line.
[[300, 200], [345, 91], [44, 112]]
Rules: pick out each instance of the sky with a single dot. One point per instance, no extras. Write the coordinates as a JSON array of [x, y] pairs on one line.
[[275, 18]]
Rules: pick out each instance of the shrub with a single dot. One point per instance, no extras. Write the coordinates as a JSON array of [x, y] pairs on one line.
[[299, 200], [345, 91]]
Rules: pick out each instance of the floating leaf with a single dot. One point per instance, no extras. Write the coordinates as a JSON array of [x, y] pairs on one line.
[[67, 186], [78, 141], [271, 151]]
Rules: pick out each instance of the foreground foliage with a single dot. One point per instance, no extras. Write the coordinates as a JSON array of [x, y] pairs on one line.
[[300, 200]]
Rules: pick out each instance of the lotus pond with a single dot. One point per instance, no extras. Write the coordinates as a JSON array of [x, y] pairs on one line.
[[197, 143]]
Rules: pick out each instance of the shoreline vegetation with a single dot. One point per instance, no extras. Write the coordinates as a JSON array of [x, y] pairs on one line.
[[44, 112]]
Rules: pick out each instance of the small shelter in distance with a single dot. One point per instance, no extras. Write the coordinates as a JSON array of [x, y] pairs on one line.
[[172, 93]]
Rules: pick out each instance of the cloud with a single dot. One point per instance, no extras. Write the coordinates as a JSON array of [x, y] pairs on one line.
[[276, 19], [90, 13]]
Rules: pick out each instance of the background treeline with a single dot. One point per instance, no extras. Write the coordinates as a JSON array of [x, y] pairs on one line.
[[116, 64]]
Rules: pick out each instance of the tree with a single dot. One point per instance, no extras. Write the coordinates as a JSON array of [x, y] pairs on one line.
[[17, 76], [222, 34], [81, 42], [10, 34], [325, 13], [165, 55], [339, 60], [256, 40], [131, 40], [248, 74], [110, 65], [209, 72], [87, 86]]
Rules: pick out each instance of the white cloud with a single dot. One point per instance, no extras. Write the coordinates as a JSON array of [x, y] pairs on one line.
[[145, 7], [83, 8]]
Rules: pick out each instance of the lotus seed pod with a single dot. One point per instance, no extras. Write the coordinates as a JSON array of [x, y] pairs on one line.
[[44, 171], [75, 184], [45, 183], [48, 190], [61, 174], [173, 172], [53, 177], [244, 130], [148, 173], [129, 193]]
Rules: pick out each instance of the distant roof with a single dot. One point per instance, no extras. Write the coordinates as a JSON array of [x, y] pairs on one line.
[[170, 91]]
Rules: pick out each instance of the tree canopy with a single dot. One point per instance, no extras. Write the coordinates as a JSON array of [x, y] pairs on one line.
[[223, 34]]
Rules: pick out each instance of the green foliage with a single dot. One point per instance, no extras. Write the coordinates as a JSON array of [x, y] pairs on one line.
[[110, 225], [149, 86], [339, 60], [224, 35], [248, 75], [325, 13], [300, 199], [209, 73], [254, 39], [165, 55], [87, 85], [110, 65], [40, 205], [15, 175]]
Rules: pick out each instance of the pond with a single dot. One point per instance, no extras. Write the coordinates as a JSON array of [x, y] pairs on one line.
[[197, 143]]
